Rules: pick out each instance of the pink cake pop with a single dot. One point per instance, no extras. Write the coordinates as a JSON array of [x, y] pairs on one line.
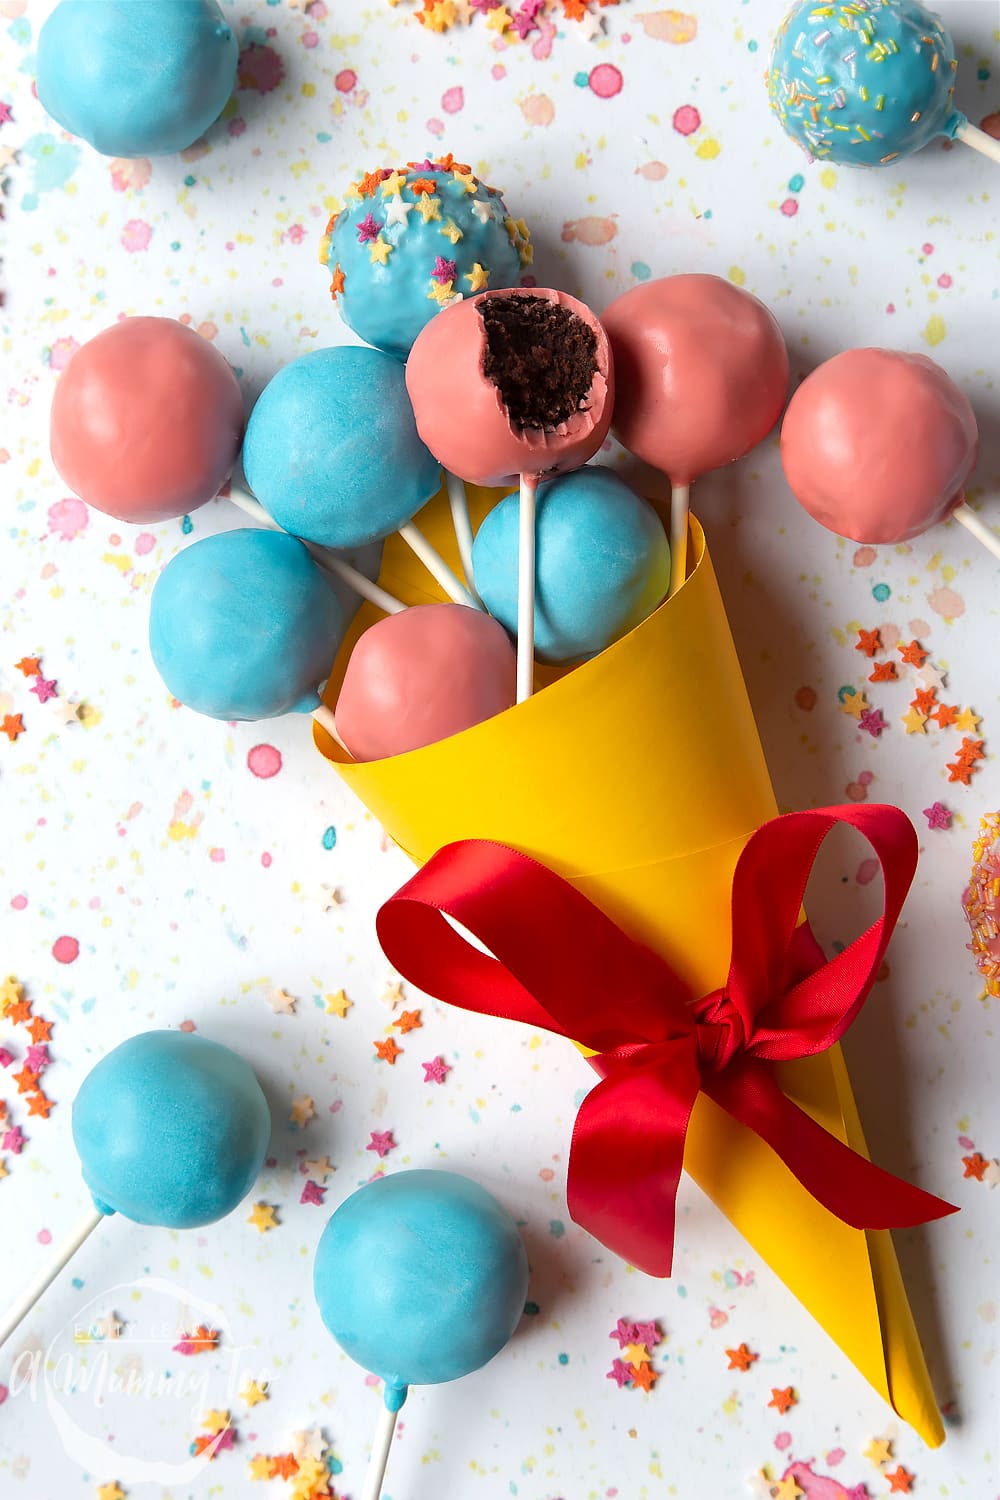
[[513, 383], [702, 373], [877, 444], [421, 676], [147, 420]]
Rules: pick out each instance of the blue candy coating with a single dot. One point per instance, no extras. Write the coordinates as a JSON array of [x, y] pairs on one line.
[[171, 1129], [420, 1277], [602, 563], [244, 625], [136, 77], [331, 449], [863, 83], [388, 297]]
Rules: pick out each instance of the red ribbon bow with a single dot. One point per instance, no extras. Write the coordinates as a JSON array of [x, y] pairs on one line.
[[561, 964]]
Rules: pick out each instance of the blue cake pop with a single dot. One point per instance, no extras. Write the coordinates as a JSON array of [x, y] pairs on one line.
[[420, 1277], [136, 77], [244, 625], [171, 1129], [863, 83], [331, 449], [413, 239], [602, 563]]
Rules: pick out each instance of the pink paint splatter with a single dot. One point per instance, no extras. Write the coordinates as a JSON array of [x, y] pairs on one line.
[[944, 281], [266, 860], [44, 1236], [927, 248], [864, 557], [264, 761], [498, 71], [867, 870], [435, 127], [717, 1318], [835, 1456], [538, 109], [260, 69], [136, 235], [653, 171], [546, 1174], [68, 518], [310, 39], [946, 603], [541, 48], [686, 119], [60, 354], [815, 1486], [217, 856], [452, 100], [236, 127], [19, 903], [782, 1441], [605, 80], [187, 1026], [130, 172], [144, 543], [345, 80], [790, 208], [590, 231], [669, 26], [65, 950]]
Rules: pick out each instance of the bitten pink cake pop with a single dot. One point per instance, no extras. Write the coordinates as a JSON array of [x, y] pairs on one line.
[[422, 675], [877, 445], [702, 374], [147, 421]]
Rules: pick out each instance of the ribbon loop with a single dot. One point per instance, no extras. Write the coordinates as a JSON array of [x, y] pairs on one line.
[[720, 1033]]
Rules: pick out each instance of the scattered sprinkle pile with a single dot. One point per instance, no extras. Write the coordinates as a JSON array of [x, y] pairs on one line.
[[537, 21], [633, 1368], [981, 902]]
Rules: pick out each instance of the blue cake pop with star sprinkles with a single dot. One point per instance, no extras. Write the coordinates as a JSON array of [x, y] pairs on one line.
[[411, 240], [171, 1129], [244, 625], [866, 82]]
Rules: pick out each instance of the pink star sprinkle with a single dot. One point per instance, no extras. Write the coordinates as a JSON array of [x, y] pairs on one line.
[[937, 815], [625, 1333], [37, 1058], [44, 688], [368, 229], [381, 1143], [523, 24], [436, 1071], [5, 113], [648, 1334], [13, 1140], [444, 270], [620, 1373], [872, 722], [6, 1059], [312, 1193]]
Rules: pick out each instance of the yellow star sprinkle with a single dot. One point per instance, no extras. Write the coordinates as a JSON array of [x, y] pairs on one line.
[[393, 994], [634, 1354], [498, 20], [392, 185], [525, 252], [10, 994], [879, 1451], [112, 1491], [441, 291], [338, 1004], [253, 1392], [854, 704], [440, 16], [451, 231], [3, 1169], [262, 1217], [478, 278], [303, 1110], [216, 1421], [915, 721], [786, 1489], [467, 179], [380, 250], [261, 1466], [427, 207], [967, 721], [320, 1168]]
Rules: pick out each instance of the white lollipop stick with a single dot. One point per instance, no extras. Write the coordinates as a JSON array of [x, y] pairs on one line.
[[680, 496], [60, 1257], [971, 135], [357, 581], [526, 587], [977, 527], [436, 565], [380, 1454], [325, 717], [462, 522]]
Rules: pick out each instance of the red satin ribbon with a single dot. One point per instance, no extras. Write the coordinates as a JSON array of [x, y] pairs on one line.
[[562, 965]]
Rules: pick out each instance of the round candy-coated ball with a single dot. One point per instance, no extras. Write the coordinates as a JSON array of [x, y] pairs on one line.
[[701, 370], [863, 85], [136, 77], [447, 233], [146, 421], [171, 1129], [421, 1277], [876, 444], [460, 410], [421, 675], [332, 451], [602, 563], [244, 625]]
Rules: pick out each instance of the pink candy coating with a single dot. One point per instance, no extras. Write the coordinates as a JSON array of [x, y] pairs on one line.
[[701, 370], [876, 444], [147, 420], [459, 411], [422, 675]]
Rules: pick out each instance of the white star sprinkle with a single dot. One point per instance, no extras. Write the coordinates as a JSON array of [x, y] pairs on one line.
[[281, 1002], [483, 209], [397, 211]]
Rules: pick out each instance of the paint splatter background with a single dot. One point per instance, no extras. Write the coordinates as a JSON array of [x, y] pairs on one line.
[[160, 869]]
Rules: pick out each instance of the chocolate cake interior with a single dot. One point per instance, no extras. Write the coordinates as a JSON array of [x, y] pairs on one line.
[[541, 357]]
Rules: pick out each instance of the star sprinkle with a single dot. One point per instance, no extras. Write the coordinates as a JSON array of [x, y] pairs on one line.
[[397, 212], [322, 1168], [13, 1141], [760, 1485], [872, 722], [312, 1193], [435, 1071], [741, 1358], [483, 210], [971, 751], [381, 1143], [215, 1422], [408, 1020], [945, 714], [451, 231], [39, 1030], [370, 184], [262, 1217], [975, 1165], [337, 282], [388, 1051], [644, 1377], [879, 1451], [29, 666], [648, 1334], [379, 251], [6, 1058], [469, 182], [442, 292], [884, 671], [303, 1110], [428, 208], [786, 1489], [620, 1373], [625, 1332], [991, 1176], [309, 1444], [10, 994], [284, 1465], [39, 1105], [392, 185], [199, 1342], [26, 1081], [281, 1002], [478, 278], [111, 1491], [967, 722], [931, 677], [444, 270], [959, 771], [924, 700], [869, 642], [368, 229], [253, 1392], [12, 725], [913, 654], [337, 1004], [261, 1466], [937, 815], [331, 897], [782, 1400], [393, 995], [68, 712], [855, 704], [635, 1353], [43, 688], [900, 1481], [914, 722]]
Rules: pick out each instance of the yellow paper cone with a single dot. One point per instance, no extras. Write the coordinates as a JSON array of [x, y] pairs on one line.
[[639, 776]]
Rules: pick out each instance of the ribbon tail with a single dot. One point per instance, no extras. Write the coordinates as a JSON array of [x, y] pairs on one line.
[[850, 1186], [627, 1154]]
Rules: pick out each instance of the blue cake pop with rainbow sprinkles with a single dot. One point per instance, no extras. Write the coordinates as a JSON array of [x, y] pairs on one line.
[[865, 82], [412, 240]]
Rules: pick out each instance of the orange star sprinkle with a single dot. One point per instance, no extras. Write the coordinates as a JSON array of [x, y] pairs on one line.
[[913, 654], [336, 282], [39, 1104], [945, 713], [39, 1030], [408, 1020], [423, 185], [19, 1011], [574, 10], [12, 726], [781, 1400], [388, 1051], [26, 1081], [971, 751], [285, 1465], [370, 184], [644, 1376], [959, 771], [924, 700], [975, 1165], [869, 641], [29, 665], [885, 671], [741, 1358], [899, 1481]]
